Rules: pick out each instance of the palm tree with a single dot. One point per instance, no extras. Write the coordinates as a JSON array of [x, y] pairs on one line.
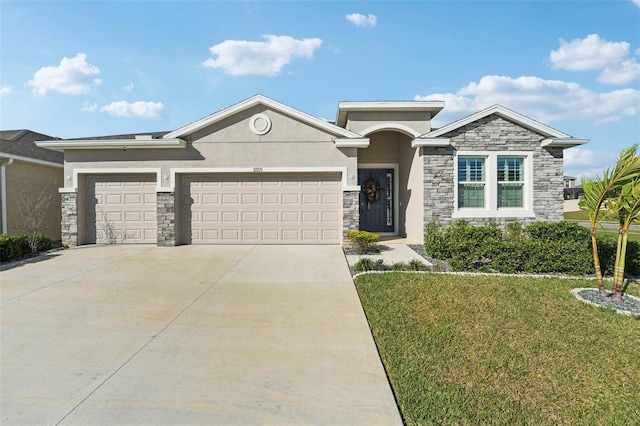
[[597, 190], [626, 205]]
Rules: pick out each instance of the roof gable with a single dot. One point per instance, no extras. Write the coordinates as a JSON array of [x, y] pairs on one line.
[[553, 137], [269, 103], [503, 112]]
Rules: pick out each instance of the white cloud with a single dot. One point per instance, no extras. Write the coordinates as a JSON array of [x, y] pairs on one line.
[[636, 2], [622, 73], [89, 107], [607, 120], [72, 77], [544, 100], [581, 162], [590, 53], [638, 49], [241, 57], [6, 90], [580, 157], [138, 109], [367, 21], [127, 88]]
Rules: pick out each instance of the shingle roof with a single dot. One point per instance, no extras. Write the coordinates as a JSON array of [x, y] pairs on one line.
[[21, 142]]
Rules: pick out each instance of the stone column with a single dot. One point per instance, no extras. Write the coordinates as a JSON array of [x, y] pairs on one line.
[[350, 212], [438, 184], [166, 213], [69, 203]]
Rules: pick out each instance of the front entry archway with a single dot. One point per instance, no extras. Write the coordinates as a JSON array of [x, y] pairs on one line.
[[377, 211]]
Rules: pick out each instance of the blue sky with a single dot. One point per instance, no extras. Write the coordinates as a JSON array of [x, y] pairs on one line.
[[77, 69]]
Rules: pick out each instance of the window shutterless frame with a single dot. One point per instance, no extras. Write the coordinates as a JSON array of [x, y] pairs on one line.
[[506, 184]]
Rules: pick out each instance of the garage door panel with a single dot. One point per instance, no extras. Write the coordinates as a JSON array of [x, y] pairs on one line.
[[270, 199], [262, 208], [250, 217], [290, 198], [121, 209], [310, 199]]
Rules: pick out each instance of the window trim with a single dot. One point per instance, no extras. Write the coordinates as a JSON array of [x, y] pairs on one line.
[[491, 186]]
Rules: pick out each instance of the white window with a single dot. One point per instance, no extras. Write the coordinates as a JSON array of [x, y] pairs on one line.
[[510, 182], [471, 182], [491, 184]]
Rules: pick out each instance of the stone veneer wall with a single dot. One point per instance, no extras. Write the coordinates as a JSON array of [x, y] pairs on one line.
[[350, 212], [69, 203], [493, 133], [166, 211]]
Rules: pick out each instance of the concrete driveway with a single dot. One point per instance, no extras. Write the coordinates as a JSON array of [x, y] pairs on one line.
[[188, 335]]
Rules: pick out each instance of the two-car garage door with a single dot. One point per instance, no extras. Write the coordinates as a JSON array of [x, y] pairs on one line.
[[287, 208], [260, 208]]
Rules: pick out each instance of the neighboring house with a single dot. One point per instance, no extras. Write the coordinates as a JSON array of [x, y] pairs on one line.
[[27, 170], [571, 190], [261, 172]]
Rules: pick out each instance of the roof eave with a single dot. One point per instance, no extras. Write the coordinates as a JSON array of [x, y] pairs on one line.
[[345, 107], [563, 142], [352, 142], [62, 145], [433, 143]]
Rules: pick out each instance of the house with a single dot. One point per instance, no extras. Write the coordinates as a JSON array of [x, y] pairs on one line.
[[26, 171], [262, 172], [571, 190]]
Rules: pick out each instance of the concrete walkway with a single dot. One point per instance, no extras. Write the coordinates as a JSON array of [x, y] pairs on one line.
[[188, 335], [390, 253]]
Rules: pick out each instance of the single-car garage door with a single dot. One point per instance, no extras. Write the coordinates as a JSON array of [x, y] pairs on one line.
[[287, 208], [121, 209]]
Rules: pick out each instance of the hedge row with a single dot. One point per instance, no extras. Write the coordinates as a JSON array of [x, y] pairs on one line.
[[17, 246], [542, 247]]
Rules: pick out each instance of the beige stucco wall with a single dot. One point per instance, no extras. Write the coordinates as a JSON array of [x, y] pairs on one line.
[[360, 121], [387, 148], [32, 178], [229, 144]]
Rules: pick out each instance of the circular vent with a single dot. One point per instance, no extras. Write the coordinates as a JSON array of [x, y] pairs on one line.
[[260, 124]]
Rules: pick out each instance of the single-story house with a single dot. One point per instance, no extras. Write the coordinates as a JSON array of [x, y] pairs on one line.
[[28, 172], [262, 172]]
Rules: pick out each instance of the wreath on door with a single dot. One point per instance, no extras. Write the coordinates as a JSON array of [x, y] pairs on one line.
[[371, 189]]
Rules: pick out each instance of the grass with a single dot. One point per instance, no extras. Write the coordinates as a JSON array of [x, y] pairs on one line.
[[473, 350], [634, 231]]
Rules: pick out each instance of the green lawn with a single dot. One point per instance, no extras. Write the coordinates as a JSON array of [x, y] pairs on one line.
[[474, 350]]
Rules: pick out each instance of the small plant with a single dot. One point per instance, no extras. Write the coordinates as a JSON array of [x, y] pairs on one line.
[[110, 234], [363, 241], [367, 264], [399, 266], [416, 265]]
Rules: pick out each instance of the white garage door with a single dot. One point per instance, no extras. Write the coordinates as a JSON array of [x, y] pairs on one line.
[[121, 209], [262, 208]]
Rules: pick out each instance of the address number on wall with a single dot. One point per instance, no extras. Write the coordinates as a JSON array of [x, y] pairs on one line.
[[257, 169]]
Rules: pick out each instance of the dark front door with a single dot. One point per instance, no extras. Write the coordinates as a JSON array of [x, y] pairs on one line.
[[376, 200]]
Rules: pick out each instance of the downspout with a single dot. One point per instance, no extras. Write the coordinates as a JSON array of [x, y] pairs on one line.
[[3, 192]]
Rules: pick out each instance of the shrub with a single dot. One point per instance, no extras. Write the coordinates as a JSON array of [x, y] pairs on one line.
[[542, 247], [363, 241], [17, 246], [367, 264]]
